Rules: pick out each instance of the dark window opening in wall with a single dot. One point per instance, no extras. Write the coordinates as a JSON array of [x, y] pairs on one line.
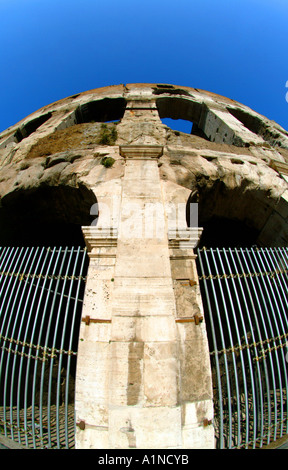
[[181, 114], [106, 110], [27, 129], [196, 130], [162, 85], [169, 89], [258, 126], [46, 216], [252, 123]]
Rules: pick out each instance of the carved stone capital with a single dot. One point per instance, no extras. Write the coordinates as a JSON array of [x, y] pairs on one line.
[[145, 152], [184, 239], [100, 242]]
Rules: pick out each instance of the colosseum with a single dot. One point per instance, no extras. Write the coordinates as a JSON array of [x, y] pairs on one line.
[[143, 277]]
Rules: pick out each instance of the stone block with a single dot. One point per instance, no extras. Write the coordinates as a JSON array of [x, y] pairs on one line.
[[181, 267], [188, 300], [196, 433], [95, 332], [195, 371], [92, 438], [145, 428], [194, 414], [138, 296], [92, 386], [198, 437], [141, 170], [160, 374], [97, 299], [126, 373], [142, 258], [152, 328], [93, 413], [142, 218]]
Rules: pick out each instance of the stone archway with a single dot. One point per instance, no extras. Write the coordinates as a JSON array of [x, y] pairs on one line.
[[46, 215], [236, 212], [43, 276], [243, 286]]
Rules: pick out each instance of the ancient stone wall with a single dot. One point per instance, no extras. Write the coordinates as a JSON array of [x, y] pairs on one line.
[[105, 160]]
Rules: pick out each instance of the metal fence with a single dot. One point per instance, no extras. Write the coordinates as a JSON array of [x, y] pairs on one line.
[[41, 296], [245, 295]]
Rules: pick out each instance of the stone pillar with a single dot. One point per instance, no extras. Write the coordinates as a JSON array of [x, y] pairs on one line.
[[144, 356], [142, 373], [195, 381], [93, 363]]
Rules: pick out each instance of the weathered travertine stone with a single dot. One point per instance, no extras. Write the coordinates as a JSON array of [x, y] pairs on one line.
[[142, 192]]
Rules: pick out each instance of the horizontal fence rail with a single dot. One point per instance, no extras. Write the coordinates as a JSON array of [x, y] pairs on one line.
[[245, 298], [41, 296]]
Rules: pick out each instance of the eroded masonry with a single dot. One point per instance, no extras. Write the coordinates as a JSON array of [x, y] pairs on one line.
[[143, 284]]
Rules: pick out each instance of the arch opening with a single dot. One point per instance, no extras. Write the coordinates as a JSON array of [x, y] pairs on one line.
[[43, 266], [31, 126], [232, 216], [244, 292], [106, 110], [46, 216], [181, 114], [258, 126]]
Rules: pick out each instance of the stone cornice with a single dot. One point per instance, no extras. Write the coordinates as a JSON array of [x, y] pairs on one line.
[[100, 242], [141, 151], [186, 239]]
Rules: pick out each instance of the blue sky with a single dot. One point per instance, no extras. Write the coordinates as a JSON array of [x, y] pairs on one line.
[[56, 48]]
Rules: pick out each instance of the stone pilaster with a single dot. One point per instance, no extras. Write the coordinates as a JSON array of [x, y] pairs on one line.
[[195, 381], [144, 376], [143, 372], [93, 364]]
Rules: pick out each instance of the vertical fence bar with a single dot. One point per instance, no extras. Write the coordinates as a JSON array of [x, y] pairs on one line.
[[232, 310], [72, 335], [283, 258], [64, 333], [223, 347], [265, 325], [52, 346], [245, 314], [11, 299], [45, 312], [282, 294], [230, 339], [271, 294], [33, 317], [215, 348]]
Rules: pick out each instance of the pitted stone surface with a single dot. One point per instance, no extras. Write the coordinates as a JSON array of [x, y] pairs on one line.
[[143, 371], [55, 147]]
